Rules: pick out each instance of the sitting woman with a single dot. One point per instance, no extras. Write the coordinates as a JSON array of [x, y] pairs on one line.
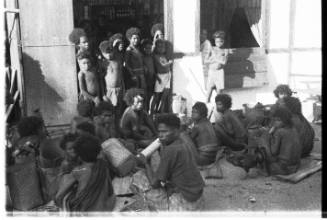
[[203, 135], [301, 124], [88, 187]]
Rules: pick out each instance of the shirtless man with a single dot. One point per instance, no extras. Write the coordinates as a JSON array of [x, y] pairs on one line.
[[135, 122]]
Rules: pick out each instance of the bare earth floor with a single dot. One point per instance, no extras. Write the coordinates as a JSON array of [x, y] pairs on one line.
[[266, 193]]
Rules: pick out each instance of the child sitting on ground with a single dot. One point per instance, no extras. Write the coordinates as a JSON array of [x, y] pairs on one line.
[[229, 128], [113, 76], [280, 93], [88, 80], [88, 187], [85, 111], [301, 124], [71, 160], [203, 135], [134, 59], [149, 69], [162, 65], [217, 60]]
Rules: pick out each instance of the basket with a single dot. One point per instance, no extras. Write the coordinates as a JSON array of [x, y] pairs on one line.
[[24, 186], [123, 160]]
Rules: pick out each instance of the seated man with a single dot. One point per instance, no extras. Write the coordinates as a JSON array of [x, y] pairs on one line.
[[229, 129], [203, 135], [135, 122], [88, 187], [177, 178]]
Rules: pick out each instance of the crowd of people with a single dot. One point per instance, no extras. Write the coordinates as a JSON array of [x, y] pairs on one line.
[[125, 94]]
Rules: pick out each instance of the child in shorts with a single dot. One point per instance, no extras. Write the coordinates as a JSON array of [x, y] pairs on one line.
[[217, 60]]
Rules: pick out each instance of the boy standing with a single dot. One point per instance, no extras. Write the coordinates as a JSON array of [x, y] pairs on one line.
[[217, 60], [134, 59], [88, 80], [177, 176]]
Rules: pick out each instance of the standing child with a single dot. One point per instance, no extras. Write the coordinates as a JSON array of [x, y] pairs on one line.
[[88, 79], [205, 49], [203, 135], [162, 65], [217, 60], [134, 58], [149, 69], [113, 76], [88, 187]]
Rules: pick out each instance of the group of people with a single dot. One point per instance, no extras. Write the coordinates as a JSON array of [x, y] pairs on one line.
[[280, 137], [125, 94], [106, 72]]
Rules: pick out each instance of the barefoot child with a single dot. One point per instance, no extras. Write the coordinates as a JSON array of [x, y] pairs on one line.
[[88, 187], [217, 60], [162, 65], [113, 76], [88, 79]]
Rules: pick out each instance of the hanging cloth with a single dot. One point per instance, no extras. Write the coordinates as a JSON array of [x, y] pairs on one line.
[[252, 10]]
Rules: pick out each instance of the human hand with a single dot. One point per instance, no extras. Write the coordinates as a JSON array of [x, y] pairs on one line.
[[96, 101]]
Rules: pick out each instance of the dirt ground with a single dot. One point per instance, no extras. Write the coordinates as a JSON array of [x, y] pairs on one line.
[[259, 193]]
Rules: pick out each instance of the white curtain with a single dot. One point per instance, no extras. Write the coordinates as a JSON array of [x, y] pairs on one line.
[[253, 14]]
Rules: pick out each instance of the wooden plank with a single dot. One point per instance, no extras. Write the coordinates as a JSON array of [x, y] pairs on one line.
[[51, 83], [46, 22]]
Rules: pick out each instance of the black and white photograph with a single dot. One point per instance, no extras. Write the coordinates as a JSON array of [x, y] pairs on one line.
[[198, 108]]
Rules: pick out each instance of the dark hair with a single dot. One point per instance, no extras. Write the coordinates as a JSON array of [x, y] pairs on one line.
[[131, 93], [87, 127], [201, 108], [168, 119], [132, 31], [283, 88], [29, 126], [145, 42], [104, 106], [67, 138], [284, 114], [219, 34], [225, 99], [293, 104], [157, 27], [105, 47], [87, 147], [85, 108], [83, 55], [113, 38]]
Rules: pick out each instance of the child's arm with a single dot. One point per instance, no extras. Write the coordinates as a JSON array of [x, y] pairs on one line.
[[194, 132], [82, 86]]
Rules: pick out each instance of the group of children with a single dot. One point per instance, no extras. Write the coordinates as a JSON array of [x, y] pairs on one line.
[[144, 64]]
